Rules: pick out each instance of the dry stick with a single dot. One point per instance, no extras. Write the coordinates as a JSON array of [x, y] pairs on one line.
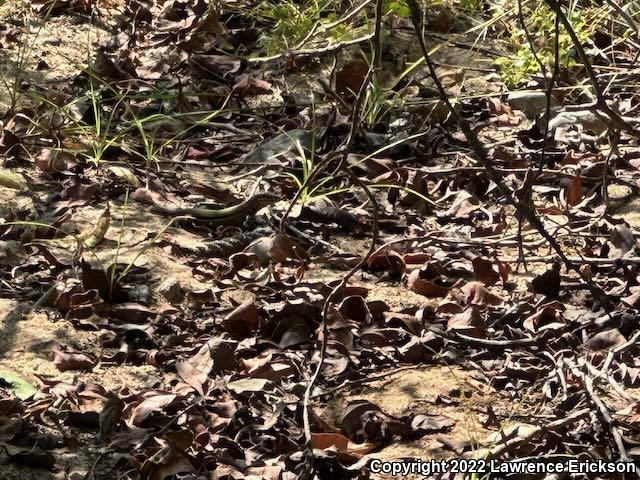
[[623, 13], [597, 375], [314, 52], [615, 138], [587, 383], [600, 103], [514, 443], [483, 342], [549, 92], [619, 349], [480, 151], [355, 123]]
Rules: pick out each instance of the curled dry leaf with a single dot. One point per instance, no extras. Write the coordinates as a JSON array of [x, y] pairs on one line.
[[340, 443], [277, 248], [269, 367], [349, 78], [548, 283], [547, 314], [243, 320], [7, 141], [179, 440], [72, 361], [424, 282], [475, 293], [484, 272], [410, 323], [96, 279], [387, 258], [154, 403], [195, 371], [573, 191], [355, 307], [110, 416], [470, 322], [248, 86]]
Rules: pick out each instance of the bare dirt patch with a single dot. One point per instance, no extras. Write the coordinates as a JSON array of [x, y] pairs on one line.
[[432, 390]]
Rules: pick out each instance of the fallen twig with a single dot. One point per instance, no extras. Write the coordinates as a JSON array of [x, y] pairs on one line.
[[514, 443], [483, 342], [368, 378], [600, 103], [549, 90], [619, 349], [332, 47], [355, 125], [587, 383], [478, 148]]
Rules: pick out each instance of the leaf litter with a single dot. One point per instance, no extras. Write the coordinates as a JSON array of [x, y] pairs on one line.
[[151, 346]]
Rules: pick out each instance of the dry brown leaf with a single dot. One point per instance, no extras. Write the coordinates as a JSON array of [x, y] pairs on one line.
[[470, 322], [72, 361], [548, 283], [475, 293], [484, 272], [324, 441], [573, 191], [243, 320]]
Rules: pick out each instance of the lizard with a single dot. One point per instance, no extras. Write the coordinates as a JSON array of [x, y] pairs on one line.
[[234, 215]]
